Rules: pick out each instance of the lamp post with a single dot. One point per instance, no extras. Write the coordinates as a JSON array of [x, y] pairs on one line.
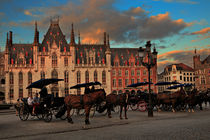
[[151, 57]]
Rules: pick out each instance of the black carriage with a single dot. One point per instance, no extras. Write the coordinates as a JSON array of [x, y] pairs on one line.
[[48, 104], [138, 101]]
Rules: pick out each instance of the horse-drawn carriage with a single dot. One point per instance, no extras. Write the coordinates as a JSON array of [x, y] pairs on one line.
[[89, 101], [48, 103]]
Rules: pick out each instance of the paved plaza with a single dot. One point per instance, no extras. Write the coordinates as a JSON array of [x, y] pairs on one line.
[[164, 125]]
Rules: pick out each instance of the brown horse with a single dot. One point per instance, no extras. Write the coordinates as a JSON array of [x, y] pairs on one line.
[[173, 99], [114, 100], [84, 101]]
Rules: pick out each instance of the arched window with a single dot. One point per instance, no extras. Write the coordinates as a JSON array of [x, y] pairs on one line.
[[66, 77], [42, 75], [29, 77], [95, 76], [11, 78], [78, 77], [54, 74], [87, 77], [104, 77], [54, 60], [20, 78]]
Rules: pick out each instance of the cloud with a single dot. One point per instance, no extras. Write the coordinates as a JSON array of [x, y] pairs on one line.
[[180, 56], [202, 34], [90, 16], [202, 31], [180, 1], [27, 12]]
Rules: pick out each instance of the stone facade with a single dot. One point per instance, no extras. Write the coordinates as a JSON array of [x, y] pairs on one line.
[[202, 72], [55, 58], [2, 78], [177, 72]]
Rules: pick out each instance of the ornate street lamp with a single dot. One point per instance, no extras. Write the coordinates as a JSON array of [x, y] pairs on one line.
[[151, 62]]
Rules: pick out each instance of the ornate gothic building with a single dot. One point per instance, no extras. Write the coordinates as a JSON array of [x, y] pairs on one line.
[[74, 62], [202, 72]]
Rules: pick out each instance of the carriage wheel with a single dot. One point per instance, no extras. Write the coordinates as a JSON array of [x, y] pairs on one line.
[[134, 107], [23, 113], [92, 111], [142, 106], [47, 115]]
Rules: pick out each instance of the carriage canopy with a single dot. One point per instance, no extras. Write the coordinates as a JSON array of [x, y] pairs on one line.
[[166, 83], [85, 84], [43, 82], [139, 84]]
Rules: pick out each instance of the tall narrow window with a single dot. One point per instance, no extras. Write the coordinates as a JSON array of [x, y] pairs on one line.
[[42, 61], [126, 82], [20, 78], [29, 77], [132, 72], [20, 92], [95, 76], [66, 77], [42, 75], [78, 77], [114, 83], [87, 77], [119, 73], [120, 82], [126, 72], [66, 90], [104, 77], [11, 93], [11, 78], [54, 60], [138, 72], [132, 81], [66, 61]]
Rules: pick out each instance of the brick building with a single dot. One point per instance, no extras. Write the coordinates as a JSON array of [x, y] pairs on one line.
[[202, 72], [74, 62]]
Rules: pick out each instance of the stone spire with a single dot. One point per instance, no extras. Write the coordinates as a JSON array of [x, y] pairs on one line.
[[10, 38], [72, 35], [36, 35], [78, 37], [104, 38], [108, 40], [7, 44]]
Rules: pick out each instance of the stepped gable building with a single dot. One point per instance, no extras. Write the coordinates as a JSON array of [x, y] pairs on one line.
[[176, 72], [74, 62], [202, 72]]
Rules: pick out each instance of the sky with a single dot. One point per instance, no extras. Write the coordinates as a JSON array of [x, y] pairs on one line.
[[175, 27]]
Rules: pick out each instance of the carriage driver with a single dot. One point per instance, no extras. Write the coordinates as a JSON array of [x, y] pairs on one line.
[[87, 90], [35, 102]]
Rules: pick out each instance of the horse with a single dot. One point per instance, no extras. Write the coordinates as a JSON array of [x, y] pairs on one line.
[[173, 99], [114, 100], [85, 101], [192, 99], [195, 98]]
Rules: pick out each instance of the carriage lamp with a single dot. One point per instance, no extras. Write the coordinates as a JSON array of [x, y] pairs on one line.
[[151, 62]]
